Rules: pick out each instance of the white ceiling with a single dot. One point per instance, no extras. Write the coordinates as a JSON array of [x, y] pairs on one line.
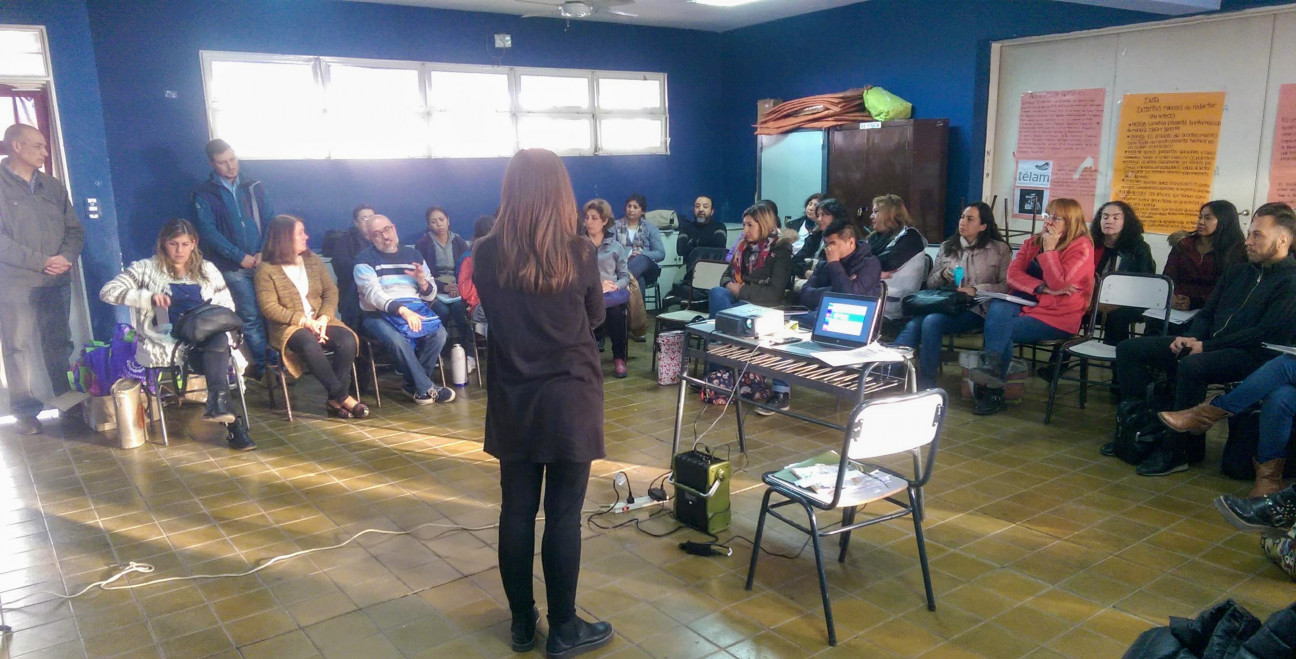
[[683, 14]]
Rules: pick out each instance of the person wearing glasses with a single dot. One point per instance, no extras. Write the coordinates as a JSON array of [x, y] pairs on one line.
[[1055, 270]]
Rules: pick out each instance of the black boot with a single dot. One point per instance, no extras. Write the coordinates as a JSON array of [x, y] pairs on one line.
[[1270, 515], [523, 630], [989, 373], [991, 403], [576, 637], [1165, 460], [218, 408], [238, 437]]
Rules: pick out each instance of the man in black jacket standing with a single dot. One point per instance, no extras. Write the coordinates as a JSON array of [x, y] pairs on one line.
[[1253, 302]]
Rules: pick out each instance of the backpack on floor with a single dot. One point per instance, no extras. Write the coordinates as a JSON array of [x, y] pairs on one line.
[[753, 387], [1138, 431]]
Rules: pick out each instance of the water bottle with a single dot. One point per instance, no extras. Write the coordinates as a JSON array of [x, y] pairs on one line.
[[458, 366]]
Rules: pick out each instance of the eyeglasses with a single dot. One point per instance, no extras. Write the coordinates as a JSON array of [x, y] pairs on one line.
[[1050, 218], [385, 231]]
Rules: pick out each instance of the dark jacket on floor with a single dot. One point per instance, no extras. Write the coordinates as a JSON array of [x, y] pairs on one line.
[[544, 384], [859, 273], [1250, 304], [1224, 631]]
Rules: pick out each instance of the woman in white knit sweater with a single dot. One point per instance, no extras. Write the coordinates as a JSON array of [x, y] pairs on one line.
[[158, 290]]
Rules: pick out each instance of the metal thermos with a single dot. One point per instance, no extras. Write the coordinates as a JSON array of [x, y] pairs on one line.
[[458, 366], [132, 412]]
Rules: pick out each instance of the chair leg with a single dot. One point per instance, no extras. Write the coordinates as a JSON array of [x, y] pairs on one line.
[[283, 383], [922, 555], [1084, 381], [373, 373], [823, 578], [1056, 361], [166, 441], [760, 531], [355, 381], [848, 518], [477, 357], [242, 392]]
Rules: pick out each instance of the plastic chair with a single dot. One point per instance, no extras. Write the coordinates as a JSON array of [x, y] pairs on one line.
[[1119, 289], [176, 386], [901, 424]]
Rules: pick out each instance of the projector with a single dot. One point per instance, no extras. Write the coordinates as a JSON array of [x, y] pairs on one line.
[[749, 320]]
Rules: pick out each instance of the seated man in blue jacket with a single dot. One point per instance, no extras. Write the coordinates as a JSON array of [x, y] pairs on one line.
[[848, 267]]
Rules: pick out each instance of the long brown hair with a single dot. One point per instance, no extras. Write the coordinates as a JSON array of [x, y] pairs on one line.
[[177, 228], [900, 212], [278, 248], [536, 227], [1071, 212]]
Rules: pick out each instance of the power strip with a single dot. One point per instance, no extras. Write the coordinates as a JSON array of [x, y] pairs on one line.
[[640, 502]]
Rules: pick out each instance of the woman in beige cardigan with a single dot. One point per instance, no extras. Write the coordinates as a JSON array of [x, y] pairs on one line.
[[299, 301]]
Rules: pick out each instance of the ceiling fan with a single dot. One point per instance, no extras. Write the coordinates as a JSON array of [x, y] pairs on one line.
[[581, 8]]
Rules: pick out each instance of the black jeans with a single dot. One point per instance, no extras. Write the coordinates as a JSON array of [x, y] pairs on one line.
[[617, 327], [1119, 323], [1136, 360], [335, 372], [560, 550], [212, 359]]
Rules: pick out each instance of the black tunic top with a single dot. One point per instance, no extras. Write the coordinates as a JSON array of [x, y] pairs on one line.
[[544, 384]]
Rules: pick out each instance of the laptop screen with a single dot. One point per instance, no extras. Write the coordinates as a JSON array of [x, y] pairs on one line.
[[847, 320]]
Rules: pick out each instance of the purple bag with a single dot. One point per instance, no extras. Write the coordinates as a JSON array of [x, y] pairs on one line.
[[121, 356], [613, 298]]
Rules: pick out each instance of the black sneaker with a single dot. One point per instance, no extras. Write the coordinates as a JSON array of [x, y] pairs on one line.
[[1270, 515], [238, 437], [442, 394], [425, 398], [1163, 462], [991, 403], [1108, 449]]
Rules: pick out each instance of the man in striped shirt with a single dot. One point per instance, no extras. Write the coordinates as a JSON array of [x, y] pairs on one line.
[[396, 294]]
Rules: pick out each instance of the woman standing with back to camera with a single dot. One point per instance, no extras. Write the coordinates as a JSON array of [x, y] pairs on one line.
[[539, 285]]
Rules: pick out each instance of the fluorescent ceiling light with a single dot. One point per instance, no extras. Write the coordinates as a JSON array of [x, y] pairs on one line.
[[722, 3]]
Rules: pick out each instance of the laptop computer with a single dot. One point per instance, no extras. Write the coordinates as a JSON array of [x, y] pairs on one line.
[[844, 322]]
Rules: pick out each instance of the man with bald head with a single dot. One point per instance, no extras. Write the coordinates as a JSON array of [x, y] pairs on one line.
[[396, 296], [40, 239]]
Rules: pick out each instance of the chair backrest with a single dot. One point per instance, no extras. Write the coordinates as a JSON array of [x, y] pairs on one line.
[[707, 274], [887, 426], [1145, 291]]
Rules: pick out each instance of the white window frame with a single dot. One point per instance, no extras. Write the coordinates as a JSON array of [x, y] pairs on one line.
[[594, 113]]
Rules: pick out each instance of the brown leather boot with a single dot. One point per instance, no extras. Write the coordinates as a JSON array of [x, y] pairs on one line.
[[1269, 477], [1196, 420]]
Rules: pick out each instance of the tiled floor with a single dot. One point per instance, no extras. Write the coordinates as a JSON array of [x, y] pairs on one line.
[[1039, 546]]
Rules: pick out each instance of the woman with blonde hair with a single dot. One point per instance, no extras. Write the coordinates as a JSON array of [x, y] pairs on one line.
[[894, 240], [539, 283], [158, 291], [1055, 268]]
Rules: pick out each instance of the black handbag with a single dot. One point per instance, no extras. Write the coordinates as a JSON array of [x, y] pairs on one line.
[[201, 322], [936, 300]]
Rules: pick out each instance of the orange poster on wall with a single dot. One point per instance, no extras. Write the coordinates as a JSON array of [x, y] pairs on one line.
[[1059, 137], [1165, 156], [1282, 168]]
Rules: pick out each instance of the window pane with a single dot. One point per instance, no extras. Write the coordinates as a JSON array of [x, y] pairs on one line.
[[624, 134], [554, 133], [19, 41], [472, 134], [255, 133], [22, 64], [553, 92], [268, 109], [375, 113], [263, 84], [480, 92], [618, 94]]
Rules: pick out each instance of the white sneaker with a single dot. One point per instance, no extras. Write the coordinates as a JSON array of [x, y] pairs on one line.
[[472, 364]]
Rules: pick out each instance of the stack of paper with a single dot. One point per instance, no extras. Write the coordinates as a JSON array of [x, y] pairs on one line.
[[871, 353]]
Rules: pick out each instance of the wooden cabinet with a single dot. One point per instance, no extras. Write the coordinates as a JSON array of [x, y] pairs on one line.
[[906, 157]]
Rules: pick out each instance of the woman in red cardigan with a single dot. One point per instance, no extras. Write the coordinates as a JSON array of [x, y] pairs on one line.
[[1053, 267]]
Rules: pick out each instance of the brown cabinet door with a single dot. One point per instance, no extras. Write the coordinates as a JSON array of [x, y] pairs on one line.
[[906, 158]]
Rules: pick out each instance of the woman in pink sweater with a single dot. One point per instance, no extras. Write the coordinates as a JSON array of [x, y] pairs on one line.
[[1054, 268]]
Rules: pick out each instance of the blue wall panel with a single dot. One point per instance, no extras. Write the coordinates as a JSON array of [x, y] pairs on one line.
[[151, 47], [76, 85]]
